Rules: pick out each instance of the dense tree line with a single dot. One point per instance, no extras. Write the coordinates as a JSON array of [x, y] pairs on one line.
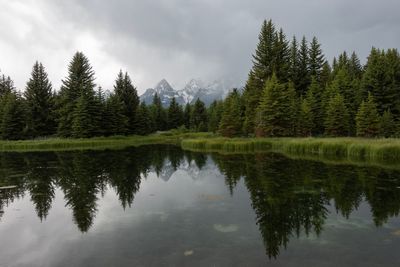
[[291, 90], [80, 109]]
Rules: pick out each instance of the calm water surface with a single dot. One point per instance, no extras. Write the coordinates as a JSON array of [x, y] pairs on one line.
[[161, 206]]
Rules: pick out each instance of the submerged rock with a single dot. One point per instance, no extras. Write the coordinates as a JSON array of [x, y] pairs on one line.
[[211, 197], [229, 228], [396, 232], [188, 252]]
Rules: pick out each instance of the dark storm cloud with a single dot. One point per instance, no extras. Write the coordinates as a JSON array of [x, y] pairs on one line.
[[181, 39]]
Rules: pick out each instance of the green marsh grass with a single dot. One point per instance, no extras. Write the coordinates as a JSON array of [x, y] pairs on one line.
[[351, 149], [382, 152], [113, 142]]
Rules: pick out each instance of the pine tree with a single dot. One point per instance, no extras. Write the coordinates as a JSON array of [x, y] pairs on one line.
[[251, 95], [326, 74], [276, 110], [282, 57], [232, 117], [343, 63], [83, 123], [6, 88], [99, 104], [264, 57], [143, 120], [40, 103], [158, 113], [214, 115], [314, 101], [175, 115], [294, 62], [186, 115], [6, 85], [78, 86], [343, 84], [316, 60], [305, 119], [264, 63], [367, 119], [355, 68], [336, 122], [387, 125], [127, 93], [303, 70], [198, 118], [13, 117], [115, 119]]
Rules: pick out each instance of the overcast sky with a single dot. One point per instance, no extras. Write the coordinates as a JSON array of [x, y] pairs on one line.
[[178, 39]]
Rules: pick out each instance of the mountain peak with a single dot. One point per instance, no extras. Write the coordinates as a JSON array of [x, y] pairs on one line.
[[195, 88], [163, 86]]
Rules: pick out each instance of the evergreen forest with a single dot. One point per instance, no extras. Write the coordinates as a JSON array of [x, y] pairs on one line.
[[292, 90]]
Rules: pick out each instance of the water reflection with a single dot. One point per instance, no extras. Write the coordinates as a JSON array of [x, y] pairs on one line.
[[289, 197]]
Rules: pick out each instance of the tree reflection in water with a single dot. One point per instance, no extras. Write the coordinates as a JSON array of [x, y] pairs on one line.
[[289, 197]]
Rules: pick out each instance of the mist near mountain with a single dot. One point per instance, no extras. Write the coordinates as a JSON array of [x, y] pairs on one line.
[[193, 90]]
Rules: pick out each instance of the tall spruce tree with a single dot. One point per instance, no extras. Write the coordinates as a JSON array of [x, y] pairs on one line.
[[294, 62], [232, 117], [100, 106], [325, 74], [388, 127], [198, 118], [314, 101], [215, 114], [355, 68], [367, 118], [264, 64], [158, 113], [175, 115], [303, 69], [127, 93], [143, 120], [77, 87], [186, 115], [316, 60], [40, 103], [282, 57], [6, 85], [13, 117], [251, 95], [6, 88], [276, 109], [116, 122], [343, 84], [373, 80], [337, 117], [305, 124], [265, 54]]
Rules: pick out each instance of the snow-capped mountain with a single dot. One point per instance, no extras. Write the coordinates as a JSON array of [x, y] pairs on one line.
[[164, 91], [194, 89], [191, 89]]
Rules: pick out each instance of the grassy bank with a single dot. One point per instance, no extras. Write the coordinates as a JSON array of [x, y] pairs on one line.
[[113, 142], [354, 150], [351, 149]]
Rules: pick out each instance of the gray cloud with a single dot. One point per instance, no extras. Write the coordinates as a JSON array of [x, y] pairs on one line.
[[179, 39]]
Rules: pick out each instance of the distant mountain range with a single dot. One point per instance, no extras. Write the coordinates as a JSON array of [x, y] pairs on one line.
[[193, 89]]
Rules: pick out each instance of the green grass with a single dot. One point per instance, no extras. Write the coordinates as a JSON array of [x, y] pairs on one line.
[[351, 149], [113, 142], [340, 150]]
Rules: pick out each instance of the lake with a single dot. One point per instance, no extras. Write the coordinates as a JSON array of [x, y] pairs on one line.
[[162, 206]]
